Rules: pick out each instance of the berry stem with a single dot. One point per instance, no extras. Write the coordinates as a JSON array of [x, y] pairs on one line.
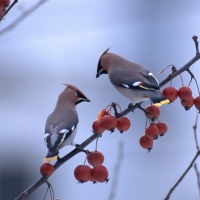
[[96, 144], [193, 77], [116, 113], [181, 80]]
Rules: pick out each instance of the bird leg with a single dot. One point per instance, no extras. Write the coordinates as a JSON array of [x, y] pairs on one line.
[[80, 148]]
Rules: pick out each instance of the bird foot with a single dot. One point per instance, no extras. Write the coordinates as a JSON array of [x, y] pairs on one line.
[[80, 148]]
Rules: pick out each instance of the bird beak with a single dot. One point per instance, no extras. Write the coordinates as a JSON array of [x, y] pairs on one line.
[[87, 100], [82, 100], [98, 74]]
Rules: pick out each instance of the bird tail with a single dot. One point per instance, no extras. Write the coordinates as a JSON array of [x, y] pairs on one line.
[[158, 99], [51, 156]]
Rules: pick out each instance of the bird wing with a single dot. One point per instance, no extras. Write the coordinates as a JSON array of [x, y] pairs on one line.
[[135, 77], [59, 136], [59, 128]]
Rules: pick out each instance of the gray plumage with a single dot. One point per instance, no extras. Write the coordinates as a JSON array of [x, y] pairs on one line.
[[130, 79], [61, 124]]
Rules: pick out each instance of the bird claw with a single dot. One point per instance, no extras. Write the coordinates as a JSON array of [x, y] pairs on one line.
[[80, 148]]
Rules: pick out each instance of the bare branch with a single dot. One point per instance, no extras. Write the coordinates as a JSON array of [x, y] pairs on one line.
[[198, 176], [23, 16], [196, 43], [195, 133], [182, 69], [181, 178], [116, 171], [190, 165], [14, 2]]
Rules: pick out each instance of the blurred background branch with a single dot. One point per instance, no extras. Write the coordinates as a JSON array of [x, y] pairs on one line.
[[22, 17]]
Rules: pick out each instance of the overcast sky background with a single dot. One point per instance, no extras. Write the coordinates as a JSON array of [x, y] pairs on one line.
[[61, 42]]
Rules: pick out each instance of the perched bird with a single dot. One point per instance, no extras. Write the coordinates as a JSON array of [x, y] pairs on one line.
[[61, 124], [130, 79]]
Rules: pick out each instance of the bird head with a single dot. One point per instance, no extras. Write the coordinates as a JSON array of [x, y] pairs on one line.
[[76, 94], [101, 68]]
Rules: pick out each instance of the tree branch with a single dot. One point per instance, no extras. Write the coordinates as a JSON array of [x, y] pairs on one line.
[[6, 12], [181, 178], [22, 17], [191, 164], [182, 69], [198, 176]]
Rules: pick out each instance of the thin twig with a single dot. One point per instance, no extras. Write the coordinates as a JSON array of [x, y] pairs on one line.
[[9, 8], [198, 176], [195, 133], [193, 77], [182, 69], [181, 178], [22, 17], [196, 43], [190, 165], [118, 164]]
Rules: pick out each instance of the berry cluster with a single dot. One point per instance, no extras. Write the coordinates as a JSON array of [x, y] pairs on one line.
[[185, 95], [98, 173], [106, 121], [154, 129], [3, 5]]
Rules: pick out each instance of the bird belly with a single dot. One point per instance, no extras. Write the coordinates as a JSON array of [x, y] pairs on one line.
[[136, 96]]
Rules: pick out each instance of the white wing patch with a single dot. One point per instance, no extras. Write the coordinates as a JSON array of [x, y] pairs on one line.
[[45, 138], [136, 83], [126, 86], [150, 74]]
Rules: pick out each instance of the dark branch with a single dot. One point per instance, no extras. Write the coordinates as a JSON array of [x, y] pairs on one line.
[[191, 164], [6, 12], [23, 16], [181, 178], [198, 176], [182, 69]]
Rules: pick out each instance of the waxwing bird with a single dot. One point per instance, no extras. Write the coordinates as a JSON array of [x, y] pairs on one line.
[[61, 124], [130, 79]]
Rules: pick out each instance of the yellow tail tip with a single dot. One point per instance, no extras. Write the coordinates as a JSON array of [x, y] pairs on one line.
[[50, 159], [167, 101]]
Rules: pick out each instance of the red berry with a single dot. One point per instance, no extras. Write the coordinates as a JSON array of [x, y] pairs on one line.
[[82, 173], [95, 158], [170, 93], [146, 143], [4, 3], [100, 173], [102, 114], [162, 127], [152, 131], [1, 11], [187, 104], [197, 102], [184, 93], [46, 169], [92, 179], [123, 124], [152, 111], [109, 122], [97, 127]]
